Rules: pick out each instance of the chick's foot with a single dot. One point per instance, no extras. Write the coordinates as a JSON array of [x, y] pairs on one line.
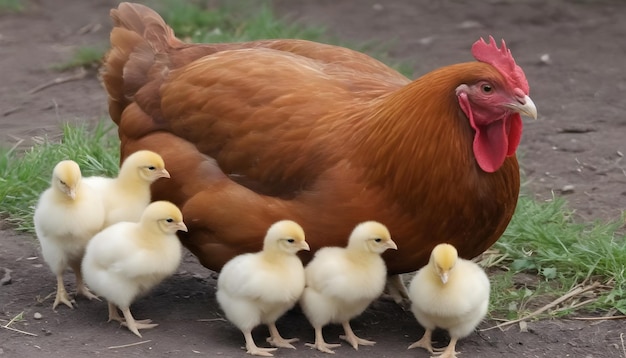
[[424, 342], [351, 338], [61, 295]]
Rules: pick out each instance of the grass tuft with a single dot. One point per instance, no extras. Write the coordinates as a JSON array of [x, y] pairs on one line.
[[11, 6], [545, 241], [24, 175], [83, 57]]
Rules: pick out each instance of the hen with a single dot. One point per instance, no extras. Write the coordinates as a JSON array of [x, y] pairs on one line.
[[260, 287], [319, 134], [342, 282], [67, 216], [126, 196], [127, 259], [450, 293]]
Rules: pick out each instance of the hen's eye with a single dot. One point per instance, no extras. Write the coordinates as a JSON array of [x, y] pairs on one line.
[[378, 240], [486, 88], [170, 220], [291, 241]]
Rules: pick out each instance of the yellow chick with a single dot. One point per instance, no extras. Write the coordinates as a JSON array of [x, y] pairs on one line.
[[127, 259], [260, 287], [67, 216], [450, 293], [342, 282], [127, 195]]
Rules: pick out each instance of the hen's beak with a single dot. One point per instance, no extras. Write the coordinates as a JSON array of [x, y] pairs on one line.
[[524, 106]]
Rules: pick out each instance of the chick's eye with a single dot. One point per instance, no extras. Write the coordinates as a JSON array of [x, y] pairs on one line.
[[378, 239], [291, 241], [486, 88], [151, 168], [170, 220]]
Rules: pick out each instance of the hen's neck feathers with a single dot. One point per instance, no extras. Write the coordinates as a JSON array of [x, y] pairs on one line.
[[422, 121]]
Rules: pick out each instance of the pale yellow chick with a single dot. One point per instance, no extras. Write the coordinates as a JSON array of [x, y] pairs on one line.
[[258, 288], [342, 282], [127, 195], [450, 293], [67, 216], [127, 259]]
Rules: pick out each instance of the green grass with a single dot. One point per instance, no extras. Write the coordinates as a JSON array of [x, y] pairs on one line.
[[545, 240], [11, 6], [238, 21], [24, 175], [83, 57], [544, 253]]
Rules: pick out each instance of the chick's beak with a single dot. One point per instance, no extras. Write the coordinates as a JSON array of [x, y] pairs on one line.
[[392, 245], [444, 277], [72, 193], [163, 173], [525, 106], [181, 226], [305, 246]]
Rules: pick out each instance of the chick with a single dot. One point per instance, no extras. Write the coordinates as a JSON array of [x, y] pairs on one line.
[[127, 195], [67, 216], [342, 282], [449, 293], [260, 287], [127, 259]]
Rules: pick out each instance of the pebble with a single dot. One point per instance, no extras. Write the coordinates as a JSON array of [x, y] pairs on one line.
[[567, 189], [37, 315]]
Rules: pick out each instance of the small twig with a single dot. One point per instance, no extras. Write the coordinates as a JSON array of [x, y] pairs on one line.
[[19, 331], [574, 306], [599, 318], [575, 291], [621, 338], [130, 344], [211, 320], [59, 80], [6, 326]]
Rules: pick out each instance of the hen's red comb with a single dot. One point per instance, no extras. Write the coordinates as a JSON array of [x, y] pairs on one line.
[[502, 60]]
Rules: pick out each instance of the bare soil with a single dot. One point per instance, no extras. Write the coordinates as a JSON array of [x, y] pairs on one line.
[[573, 54]]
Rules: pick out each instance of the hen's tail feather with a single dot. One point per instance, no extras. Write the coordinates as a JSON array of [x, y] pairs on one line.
[[138, 37]]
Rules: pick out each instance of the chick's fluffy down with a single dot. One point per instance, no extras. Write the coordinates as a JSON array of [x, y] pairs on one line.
[[457, 306], [250, 288], [338, 289], [121, 269]]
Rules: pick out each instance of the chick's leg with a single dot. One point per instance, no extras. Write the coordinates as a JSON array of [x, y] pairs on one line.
[[424, 342], [320, 344], [113, 314], [449, 351], [80, 283], [252, 348], [351, 338], [61, 296], [277, 340], [135, 326]]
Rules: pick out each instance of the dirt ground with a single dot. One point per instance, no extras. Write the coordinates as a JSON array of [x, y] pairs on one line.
[[573, 54]]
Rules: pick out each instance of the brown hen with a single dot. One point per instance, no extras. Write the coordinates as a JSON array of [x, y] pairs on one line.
[[257, 132]]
